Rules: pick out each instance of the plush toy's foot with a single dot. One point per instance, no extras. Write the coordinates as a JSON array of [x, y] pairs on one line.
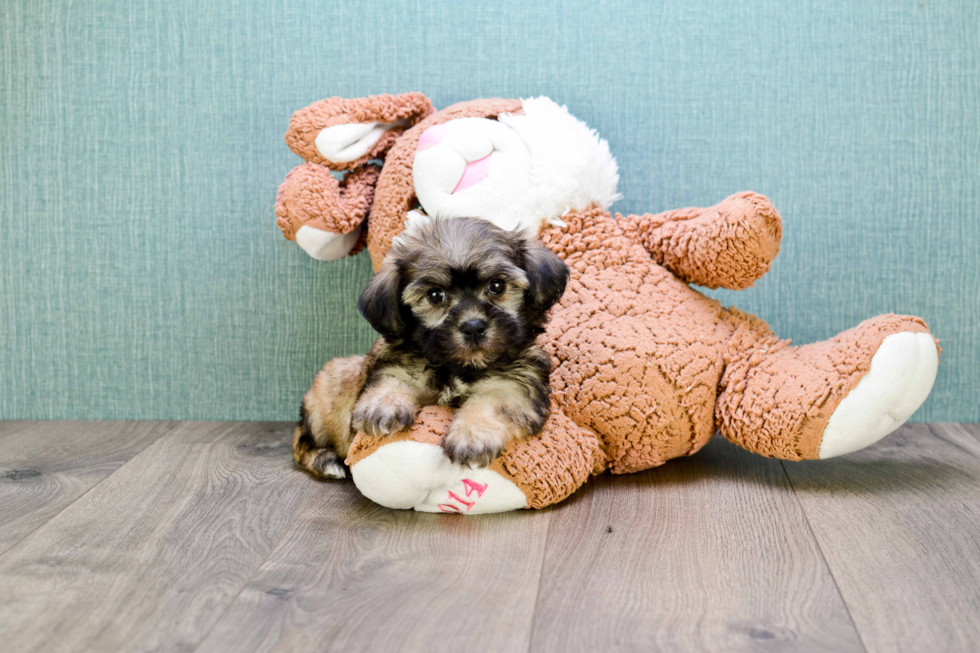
[[410, 470], [417, 475], [829, 398], [901, 376]]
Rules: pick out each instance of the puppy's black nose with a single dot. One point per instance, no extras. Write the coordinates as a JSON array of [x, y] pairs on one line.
[[474, 328]]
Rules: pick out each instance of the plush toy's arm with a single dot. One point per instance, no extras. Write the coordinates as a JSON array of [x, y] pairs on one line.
[[728, 245], [322, 215]]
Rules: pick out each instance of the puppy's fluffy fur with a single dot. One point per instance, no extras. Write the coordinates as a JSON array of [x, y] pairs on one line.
[[458, 304]]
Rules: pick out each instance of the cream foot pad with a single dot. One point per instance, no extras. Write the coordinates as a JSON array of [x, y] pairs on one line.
[[418, 475]]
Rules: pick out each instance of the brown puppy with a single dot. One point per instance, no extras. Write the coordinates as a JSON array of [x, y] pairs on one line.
[[458, 304]]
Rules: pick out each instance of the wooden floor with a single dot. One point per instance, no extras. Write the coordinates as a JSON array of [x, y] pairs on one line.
[[137, 536]]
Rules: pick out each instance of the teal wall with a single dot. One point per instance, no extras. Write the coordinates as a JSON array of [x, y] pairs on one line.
[[141, 147]]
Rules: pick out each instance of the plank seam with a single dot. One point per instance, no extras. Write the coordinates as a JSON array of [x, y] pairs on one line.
[[537, 593], [826, 564], [255, 571], [169, 428], [938, 429]]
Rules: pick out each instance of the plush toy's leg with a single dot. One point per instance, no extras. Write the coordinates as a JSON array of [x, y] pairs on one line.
[[828, 398], [410, 471]]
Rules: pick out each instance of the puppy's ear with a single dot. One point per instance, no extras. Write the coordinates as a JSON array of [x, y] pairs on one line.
[[380, 303], [547, 275]]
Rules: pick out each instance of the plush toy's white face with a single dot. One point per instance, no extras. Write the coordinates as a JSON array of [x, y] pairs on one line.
[[518, 171]]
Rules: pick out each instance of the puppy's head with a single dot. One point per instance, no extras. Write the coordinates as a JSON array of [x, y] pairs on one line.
[[463, 290]]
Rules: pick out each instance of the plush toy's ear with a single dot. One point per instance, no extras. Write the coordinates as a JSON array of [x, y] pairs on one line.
[[547, 275], [344, 134], [380, 303]]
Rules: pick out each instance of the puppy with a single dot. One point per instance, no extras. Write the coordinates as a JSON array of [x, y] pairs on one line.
[[458, 303]]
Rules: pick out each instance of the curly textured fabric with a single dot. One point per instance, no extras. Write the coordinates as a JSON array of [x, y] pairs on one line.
[[307, 123], [637, 352], [729, 245], [311, 196], [551, 466]]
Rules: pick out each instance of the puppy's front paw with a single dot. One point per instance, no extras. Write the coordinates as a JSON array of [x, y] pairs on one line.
[[474, 444], [378, 416]]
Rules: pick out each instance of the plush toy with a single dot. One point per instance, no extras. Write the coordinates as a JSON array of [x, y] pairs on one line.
[[645, 367]]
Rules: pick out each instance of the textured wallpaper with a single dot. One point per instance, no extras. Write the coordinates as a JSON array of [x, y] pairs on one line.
[[142, 274]]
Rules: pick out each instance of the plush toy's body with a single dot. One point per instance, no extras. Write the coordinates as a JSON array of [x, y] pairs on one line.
[[645, 367]]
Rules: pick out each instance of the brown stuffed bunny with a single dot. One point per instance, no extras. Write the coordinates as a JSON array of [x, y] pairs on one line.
[[645, 367]]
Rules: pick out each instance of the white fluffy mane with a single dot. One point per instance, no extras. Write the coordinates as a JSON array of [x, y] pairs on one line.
[[571, 164]]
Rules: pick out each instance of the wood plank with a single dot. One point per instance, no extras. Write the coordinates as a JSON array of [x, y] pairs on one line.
[[44, 466], [899, 525], [352, 576], [151, 557], [708, 553]]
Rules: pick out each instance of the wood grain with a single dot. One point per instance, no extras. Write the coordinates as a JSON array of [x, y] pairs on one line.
[[208, 539], [44, 466], [150, 557], [352, 576], [709, 553], [899, 525]]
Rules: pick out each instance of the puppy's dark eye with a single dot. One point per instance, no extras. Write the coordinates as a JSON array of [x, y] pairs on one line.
[[496, 287], [436, 296]]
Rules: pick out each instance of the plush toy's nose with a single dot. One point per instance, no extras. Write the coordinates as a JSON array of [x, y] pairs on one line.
[[431, 137]]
